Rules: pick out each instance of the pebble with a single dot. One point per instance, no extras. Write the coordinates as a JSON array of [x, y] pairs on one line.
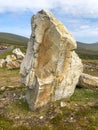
[[41, 117], [14, 94], [17, 117], [62, 104], [2, 88]]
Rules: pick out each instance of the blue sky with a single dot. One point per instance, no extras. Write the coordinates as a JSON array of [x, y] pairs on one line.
[[79, 16]]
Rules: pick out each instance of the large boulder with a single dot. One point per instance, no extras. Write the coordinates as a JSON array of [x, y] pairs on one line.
[[51, 68], [88, 81]]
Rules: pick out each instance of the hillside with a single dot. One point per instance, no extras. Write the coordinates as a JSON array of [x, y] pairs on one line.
[[88, 48], [8, 38], [87, 51]]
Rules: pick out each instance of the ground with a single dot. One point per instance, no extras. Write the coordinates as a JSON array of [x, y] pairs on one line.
[[80, 112]]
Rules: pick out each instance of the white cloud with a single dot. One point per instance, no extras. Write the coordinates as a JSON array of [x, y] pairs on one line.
[[86, 33], [73, 13], [78, 8]]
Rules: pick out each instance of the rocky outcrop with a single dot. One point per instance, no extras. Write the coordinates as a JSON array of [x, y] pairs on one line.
[[88, 81], [51, 68], [12, 61]]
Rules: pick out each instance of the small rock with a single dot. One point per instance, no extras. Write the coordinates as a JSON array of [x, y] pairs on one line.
[[62, 104], [18, 53], [14, 94], [10, 87], [22, 97], [17, 117], [76, 105], [2, 88], [10, 58], [41, 117], [71, 118]]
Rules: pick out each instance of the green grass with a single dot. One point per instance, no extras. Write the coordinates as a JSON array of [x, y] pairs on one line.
[[84, 55], [3, 55], [84, 95], [84, 116], [9, 77], [5, 123]]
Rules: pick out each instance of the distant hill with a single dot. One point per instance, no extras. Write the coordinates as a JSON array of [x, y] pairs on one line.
[[87, 51], [88, 48], [84, 50], [9, 38]]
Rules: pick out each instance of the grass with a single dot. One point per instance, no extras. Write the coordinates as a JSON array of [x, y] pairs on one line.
[[77, 115], [3, 55], [84, 55], [5, 124], [80, 112], [84, 95], [9, 77], [93, 70]]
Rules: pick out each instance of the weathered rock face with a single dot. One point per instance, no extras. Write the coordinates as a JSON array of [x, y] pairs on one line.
[[51, 68], [88, 81]]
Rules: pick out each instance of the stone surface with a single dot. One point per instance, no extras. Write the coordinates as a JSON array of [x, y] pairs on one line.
[[18, 53], [88, 81], [62, 104], [2, 63], [13, 65], [10, 58], [51, 68]]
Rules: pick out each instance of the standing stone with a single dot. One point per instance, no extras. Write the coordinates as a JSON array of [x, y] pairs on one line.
[[51, 68]]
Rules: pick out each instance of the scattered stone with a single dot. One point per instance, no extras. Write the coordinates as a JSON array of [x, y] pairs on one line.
[[14, 94], [62, 104], [17, 117], [12, 61], [10, 58], [13, 65], [88, 81], [41, 117], [10, 86], [51, 68], [2, 63], [18, 53], [3, 88]]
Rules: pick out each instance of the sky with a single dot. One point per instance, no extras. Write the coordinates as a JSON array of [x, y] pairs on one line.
[[79, 16]]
